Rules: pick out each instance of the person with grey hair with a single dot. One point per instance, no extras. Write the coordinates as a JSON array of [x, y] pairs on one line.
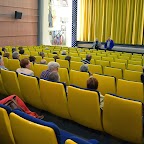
[[2, 64], [43, 61], [15, 55], [54, 76], [52, 66], [63, 52], [87, 60], [84, 68]]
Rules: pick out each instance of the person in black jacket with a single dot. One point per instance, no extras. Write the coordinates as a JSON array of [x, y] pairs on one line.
[[142, 76]]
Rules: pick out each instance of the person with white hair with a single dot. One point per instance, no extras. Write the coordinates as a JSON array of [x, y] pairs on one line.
[[43, 61], [52, 66], [2, 63], [84, 68], [15, 55], [63, 52], [54, 77]]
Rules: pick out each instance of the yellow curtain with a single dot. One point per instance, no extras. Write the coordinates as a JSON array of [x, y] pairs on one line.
[[122, 20]]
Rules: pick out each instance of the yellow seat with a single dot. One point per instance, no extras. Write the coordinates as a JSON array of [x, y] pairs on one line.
[[11, 83], [136, 59], [121, 61], [97, 57], [122, 118], [79, 78], [30, 90], [13, 64], [110, 59], [6, 135], [115, 72], [5, 59], [62, 57], [92, 61], [38, 59], [84, 107], [64, 77], [83, 56], [53, 96], [130, 89], [2, 89], [132, 75], [135, 62], [33, 53], [124, 57], [27, 52], [106, 84], [77, 59], [73, 54], [69, 141], [118, 65], [63, 63], [27, 132], [50, 55], [24, 56], [102, 63], [75, 65], [38, 68], [49, 59], [95, 69], [135, 67]]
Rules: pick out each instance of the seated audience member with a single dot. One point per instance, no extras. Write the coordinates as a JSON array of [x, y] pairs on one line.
[[32, 59], [84, 68], [52, 66], [25, 67], [87, 60], [13, 50], [4, 50], [0, 53], [42, 54], [2, 63], [15, 55], [54, 76], [20, 48], [142, 76], [109, 44], [92, 83], [46, 48], [43, 61], [54, 53], [96, 44], [21, 51], [68, 58], [56, 57], [6, 55], [63, 52]]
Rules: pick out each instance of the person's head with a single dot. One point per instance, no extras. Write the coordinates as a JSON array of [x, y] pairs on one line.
[[4, 49], [92, 83], [42, 54], [20, 48], [108, 38], [32, 59], [0, 53], [63, 52], [54, 77], [84, 68], [96, 39], [88, 57], [1, 61], [15, 55], [53, 66], [6, 55], [68, 58], [13, 50], [56, 57], [46, 48], [25, 63], [21, 51], [54, 53], [43, 61]]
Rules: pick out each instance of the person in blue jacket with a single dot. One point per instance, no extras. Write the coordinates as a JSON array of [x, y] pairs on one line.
[[109, 44]]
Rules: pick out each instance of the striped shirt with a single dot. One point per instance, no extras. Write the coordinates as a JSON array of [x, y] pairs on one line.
[[85, 61], [45, 74]]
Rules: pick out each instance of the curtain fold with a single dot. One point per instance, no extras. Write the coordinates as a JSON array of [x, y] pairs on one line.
[[122, 20]]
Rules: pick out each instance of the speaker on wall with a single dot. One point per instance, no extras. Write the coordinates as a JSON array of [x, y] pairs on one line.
[[18, 15]]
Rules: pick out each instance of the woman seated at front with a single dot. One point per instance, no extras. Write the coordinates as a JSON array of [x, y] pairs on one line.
[[25, 67], [92, 83]]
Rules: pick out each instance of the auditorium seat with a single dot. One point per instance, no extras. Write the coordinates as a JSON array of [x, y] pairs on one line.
[[11, 83], [54, 98], [79, 78], [49, 59], [74, 54], [135, 67], [5, 60], [102, 63], [107, 84], [29, 87], [75, 65], [118, 65], [110, 59], [84, 107], [38, 68], [33, 53], [64, 76], [122, 118], [132, 75], [95, 69], [130, 89], [135, 62], [24, 56], [76, 59], [13, 64], [122, 61], [38, 59], [2, 89], [63, 63]]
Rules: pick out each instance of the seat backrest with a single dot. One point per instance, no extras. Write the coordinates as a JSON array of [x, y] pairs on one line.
[[11, 83], [134, 67], [122, 118], [95, 69], [39, 68], [135, 62], [118, 65], [54, 98], [27, 132], [76, 59], [117, 73], [5, 59], [38, 59], [63, 63], [121, 61], [24, 56], [2, 89], [79, 78], [33, 53], [64, 77], [6, 136], [49, 59], [103, 63], [30, 90], [107, 84], [84, 107], [132, 75], [110, 59], [75, 65], [13, 64], [69, 141], [130, 89]]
